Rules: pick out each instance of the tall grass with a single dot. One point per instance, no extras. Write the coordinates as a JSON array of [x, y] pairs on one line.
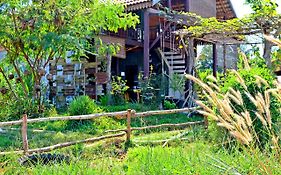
[[229, 110]]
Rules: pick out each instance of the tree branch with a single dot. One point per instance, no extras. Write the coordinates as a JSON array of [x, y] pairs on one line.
[[20, 77], [8, 82]]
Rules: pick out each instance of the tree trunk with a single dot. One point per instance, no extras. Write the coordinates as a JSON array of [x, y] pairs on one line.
[[267, 53], [108, 71]]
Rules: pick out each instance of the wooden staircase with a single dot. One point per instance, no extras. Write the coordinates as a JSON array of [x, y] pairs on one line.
[[176, 62]]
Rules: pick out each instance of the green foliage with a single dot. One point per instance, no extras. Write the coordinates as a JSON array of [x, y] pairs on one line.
[[265, 7], [205, 60], [83, 105], [276, 60], [118, 89], [135, 106], [177, 83], [35, 32], [152, 88], [182, 159], [249, 76], [169, 105], [252, 79]]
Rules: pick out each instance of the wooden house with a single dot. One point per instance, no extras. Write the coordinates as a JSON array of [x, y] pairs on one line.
[[151, 43]]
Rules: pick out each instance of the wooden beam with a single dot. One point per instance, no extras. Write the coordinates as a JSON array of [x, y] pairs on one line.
[[133, 43], [146, 44]]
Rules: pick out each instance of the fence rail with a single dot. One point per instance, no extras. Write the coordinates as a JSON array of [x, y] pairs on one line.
[[129, 114]]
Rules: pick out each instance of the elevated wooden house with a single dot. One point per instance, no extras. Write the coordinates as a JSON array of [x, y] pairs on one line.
[[152, 42]]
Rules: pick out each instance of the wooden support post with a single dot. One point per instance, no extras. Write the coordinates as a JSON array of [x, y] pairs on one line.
[[170, 4], [186, 5], [224, 59], [24, 134], [129, 129], [215, 60], [146, 44]]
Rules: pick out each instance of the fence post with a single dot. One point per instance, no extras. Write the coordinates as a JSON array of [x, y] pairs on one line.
[[129, 130], [206, 122], [24, 134]]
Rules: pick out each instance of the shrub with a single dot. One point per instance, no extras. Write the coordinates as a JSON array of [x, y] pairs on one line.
[[119, 89], [153, 88], [83, 105], [169, 105]]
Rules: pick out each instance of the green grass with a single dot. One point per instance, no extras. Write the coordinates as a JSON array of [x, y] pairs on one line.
[[184, 158], [197, 154]]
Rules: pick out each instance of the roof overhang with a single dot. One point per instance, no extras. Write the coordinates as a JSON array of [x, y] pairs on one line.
[[133, 5], [225, 10]]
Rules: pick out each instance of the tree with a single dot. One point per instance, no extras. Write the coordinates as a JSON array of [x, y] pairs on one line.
[[35, 32], [264, 14]]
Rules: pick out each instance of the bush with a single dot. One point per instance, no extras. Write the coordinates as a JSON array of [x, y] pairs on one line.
[[169, 105], [82, 105]]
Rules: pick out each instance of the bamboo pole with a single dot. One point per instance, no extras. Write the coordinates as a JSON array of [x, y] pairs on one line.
[[66, 144], [159, 112], [80, 117], [24, 134], [93, 116], [168, 125], [160, 126], [129, 130]]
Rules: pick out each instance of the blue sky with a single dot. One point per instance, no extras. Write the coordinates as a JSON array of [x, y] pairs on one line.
[[242, 9]]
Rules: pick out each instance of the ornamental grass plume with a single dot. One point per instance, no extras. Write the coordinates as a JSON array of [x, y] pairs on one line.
[[229, 110]]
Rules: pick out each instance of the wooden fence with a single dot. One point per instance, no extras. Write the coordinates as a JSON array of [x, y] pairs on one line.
[[129, 114]]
